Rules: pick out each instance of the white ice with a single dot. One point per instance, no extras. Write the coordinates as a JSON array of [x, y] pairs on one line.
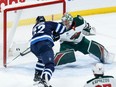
[[20, 72]]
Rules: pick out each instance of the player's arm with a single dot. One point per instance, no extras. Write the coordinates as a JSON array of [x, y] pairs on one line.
[[59, 29], [56, 36], [86, 28]]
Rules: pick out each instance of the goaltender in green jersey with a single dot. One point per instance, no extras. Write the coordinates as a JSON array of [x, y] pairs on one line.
[[74, 40]]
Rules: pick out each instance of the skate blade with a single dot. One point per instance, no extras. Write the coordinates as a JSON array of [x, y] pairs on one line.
[[37, 84]]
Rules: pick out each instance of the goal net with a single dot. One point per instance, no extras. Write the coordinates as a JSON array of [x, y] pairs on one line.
[[17, 22]]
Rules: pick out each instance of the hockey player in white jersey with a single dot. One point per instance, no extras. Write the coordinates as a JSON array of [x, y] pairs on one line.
[[75, 38], [100, 79]]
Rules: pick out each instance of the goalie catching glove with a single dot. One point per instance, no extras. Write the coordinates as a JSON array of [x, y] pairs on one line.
[[88, 30]]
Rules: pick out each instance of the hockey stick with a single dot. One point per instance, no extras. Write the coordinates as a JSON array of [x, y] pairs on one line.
[[21, 54]]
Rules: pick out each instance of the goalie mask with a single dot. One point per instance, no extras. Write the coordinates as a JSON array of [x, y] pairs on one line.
[[67, 20], [40, 19], [98, 69]]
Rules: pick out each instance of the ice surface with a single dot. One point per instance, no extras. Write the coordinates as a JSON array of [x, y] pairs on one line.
[[19, 73]]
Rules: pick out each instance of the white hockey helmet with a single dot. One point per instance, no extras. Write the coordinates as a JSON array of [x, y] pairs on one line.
[[98, 69], [67, 20]]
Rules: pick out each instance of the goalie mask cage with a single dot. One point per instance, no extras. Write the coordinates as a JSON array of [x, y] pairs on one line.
[[19, 17]]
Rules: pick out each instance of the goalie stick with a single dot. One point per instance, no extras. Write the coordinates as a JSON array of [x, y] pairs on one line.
[[21, 54]]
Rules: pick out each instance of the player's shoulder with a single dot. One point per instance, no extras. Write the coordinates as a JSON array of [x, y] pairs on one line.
[[91, 80], [49, 22], [79, 20], [107, 77], [52, 22], [78, 17], [102, 77]]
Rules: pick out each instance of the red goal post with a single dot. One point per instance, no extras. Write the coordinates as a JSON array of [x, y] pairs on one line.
[[25, 6]]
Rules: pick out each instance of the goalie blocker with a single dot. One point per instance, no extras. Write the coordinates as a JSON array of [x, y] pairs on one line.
[[64, 57], [98, 51]]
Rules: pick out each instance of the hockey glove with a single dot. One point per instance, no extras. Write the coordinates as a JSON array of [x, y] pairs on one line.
[[56, 36], [88, 30]]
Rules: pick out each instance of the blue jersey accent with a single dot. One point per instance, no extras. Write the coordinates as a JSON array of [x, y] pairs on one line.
[[44, 31]]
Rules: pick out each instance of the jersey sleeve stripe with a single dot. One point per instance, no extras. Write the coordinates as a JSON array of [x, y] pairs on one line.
[[63, 29], [58, 27]]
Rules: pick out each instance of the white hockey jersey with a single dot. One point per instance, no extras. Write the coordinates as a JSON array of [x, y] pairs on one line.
[[73, 35], [77, 31], [104, 81]]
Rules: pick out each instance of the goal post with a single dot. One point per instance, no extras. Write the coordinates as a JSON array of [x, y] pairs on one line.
[[19, 17]]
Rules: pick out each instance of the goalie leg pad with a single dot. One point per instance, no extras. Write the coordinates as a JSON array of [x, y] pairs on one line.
[[64, 57], [98, 51]]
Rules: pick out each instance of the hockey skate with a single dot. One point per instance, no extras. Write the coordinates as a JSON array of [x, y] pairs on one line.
[[37, 76], [41, 83]]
